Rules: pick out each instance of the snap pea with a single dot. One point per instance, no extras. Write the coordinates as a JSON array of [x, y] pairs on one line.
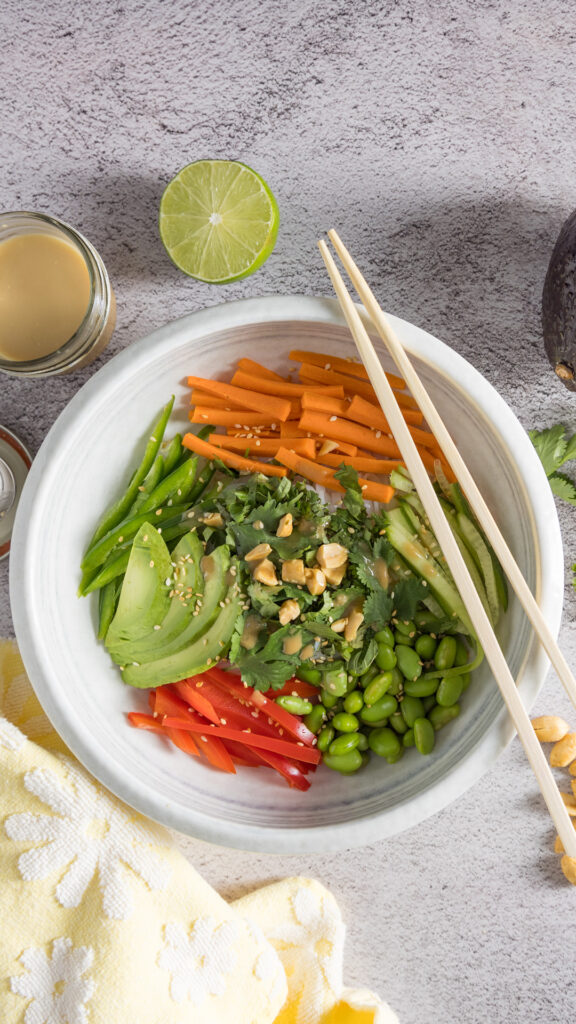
[[385, 636], [202, 482], [386, 657], [383, 708], [177, 485], [439, 717], [125, 530], [344, 722], [384, 742], [117, 561], [408, 662], [345, 763], [308, 675], [107, 607], [423, 687], [151, 481], [408, 738], [402, 638], [411, 708], [397, 722], [425, 647], [445, 653], [354, 701], [172, 453], [424, 737], [342, 744], [295, 705], [119, 509], [316, 718], [325, 737], [449, 691], [377, 688]]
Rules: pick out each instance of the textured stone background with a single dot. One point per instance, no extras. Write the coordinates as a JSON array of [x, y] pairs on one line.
[[441, 139]]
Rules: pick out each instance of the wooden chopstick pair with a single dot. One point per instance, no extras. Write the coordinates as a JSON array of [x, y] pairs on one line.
[[441, 528]]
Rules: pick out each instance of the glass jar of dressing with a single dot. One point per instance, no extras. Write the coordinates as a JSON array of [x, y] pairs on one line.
[[57, 307]]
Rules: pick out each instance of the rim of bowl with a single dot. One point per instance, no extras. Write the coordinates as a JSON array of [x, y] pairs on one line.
[[549, 568]]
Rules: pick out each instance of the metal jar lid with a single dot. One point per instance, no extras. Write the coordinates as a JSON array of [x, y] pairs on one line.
[[15, 461]]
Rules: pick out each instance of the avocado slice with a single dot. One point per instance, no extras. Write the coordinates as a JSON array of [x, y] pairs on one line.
[[144, 599], [186, 582], [197, 657]]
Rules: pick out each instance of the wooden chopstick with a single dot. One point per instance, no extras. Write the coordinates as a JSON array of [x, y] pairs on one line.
[[456, 564], [461, 471]]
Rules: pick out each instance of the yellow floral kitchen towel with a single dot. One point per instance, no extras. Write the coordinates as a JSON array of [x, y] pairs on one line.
[[103, 921]]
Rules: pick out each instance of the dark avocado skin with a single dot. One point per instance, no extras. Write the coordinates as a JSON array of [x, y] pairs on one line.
[[559, 305]]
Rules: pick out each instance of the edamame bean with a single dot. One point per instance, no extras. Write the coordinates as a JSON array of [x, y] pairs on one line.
[[325, 737], [449, 691], [385, 636], [383, 708], [396, 757], [384, 742], [397, 684], [423, 687], [428, 703], [402, 638], [345, 763], [368, 676], [408, 738], [354, 702], [377, 688], [343, 744], [329, 700], [411, 708], [427, 622], [309, 675], [445, 653], [335, 680], [425, 647], [386, 658], [316, 718], [424, 737], [295, 705], [362, 740], [462, 655], [343, 722], [406, 627], [439, 717], [408, 662], [396, 722]]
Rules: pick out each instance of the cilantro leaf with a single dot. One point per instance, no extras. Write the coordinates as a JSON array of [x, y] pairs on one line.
[[268, 675], [563, 487], [377, 608], [551, 446], [352, 501], [570, 452], [407, 596]]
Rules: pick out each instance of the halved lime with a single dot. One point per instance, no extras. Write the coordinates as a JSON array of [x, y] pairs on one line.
[[218, 220]]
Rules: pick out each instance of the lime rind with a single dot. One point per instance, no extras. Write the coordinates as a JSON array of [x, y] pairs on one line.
[[218, 220]]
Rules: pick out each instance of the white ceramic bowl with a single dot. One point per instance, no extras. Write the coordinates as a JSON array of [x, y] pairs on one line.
[[82, 466]]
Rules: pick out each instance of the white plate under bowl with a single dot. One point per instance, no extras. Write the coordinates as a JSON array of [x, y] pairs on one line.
[[84, 464]]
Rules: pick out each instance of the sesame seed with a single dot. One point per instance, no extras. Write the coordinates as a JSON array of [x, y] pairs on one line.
[[151, 565], [120, 539], [333, 419], [328, 366], [157, 627], [145, 537], [158, 511], [378, 434], [167, 581]]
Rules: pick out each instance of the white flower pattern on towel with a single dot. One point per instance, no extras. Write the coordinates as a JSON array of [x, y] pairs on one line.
[[10, 736], [90, 834], [198, 962], [56, 987]]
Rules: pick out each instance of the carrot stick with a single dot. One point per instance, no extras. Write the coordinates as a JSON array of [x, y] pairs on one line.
[[339, 429], [292, 429], [348, 366], [279, 387], [364, 412], [314, 375], [319, 402], [327, 445], [235, 418], [210, 451], [362, 463], [371, 491], [249, 366], [265, 447], [199, 397], [272, 405]]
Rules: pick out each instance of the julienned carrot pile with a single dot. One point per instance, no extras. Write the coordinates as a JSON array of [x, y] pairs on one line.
[[330, 415]]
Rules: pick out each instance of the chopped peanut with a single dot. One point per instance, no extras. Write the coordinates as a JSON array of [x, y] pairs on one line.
[[213, 519], [550, 728], [564, 751], [266, 573], [293, 571], [573, 784], [331, 556], [258, 553], [335, 576], [559, 845], [570, 802], [315, 581], [289, 610], [569, 868], [285, 526], [339, 625], [355, 620], [328, 447]]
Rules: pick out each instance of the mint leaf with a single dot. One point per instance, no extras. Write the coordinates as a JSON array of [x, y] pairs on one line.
[[563, 487], [551, 446]]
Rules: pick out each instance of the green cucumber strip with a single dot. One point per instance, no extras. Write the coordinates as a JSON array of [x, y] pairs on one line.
[[474, 571], [483, 559]]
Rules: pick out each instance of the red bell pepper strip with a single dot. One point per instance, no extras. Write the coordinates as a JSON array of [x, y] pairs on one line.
[[296, 751], [184, 740], [215, 752], [190, 691], [292, 772], [290, 723], [142, 721], [167, 702], [242, 754], [299, 687]]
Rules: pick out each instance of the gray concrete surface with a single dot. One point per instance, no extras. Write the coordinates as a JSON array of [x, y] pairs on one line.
[[440, 138]]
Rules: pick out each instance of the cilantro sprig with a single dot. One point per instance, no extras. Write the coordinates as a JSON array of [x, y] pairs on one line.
[[555, 449]]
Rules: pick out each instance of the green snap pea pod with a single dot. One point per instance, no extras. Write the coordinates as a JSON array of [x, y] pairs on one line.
[[316, 718], [383, 708], [344, 722], [377, 688], [425, 647], [424, 737], [425, 686], [354, 702], [408, 738], [362, 740], [107, 607], [335, 680], [295, 705], [445, 653], [344, 763], [385, 636], [173, 453], [449, 691], [384, 742], [386, 657], [406, 628], [309, 675], [117, 561], [201, 483], [152, 480], [439, 717], [396, 722], [343, 744], [325, 737], [125, 531], [176, 486], [411, 708], [117, 512], [408, 662], [402, 638]]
